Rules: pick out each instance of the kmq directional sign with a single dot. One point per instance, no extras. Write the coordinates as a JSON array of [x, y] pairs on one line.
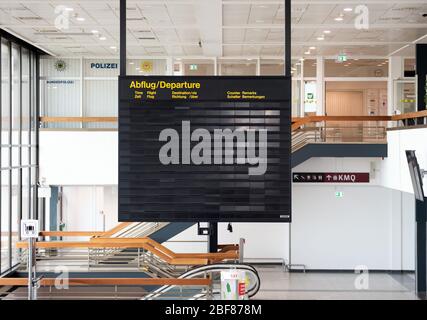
[[204, 149], [330, 177]]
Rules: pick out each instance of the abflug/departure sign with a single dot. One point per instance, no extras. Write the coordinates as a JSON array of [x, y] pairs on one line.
[[204, 149]]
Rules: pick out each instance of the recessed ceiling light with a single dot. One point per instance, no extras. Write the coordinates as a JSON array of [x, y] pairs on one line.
[[320, 38], [301, 59], [131, 63], [327, 31], [339, 19], [69, 9], [348, 9], [137, 68], [80, 19], [312, 48], [95, 31], [307, 52], [113, 47], [297, 64], [102, 38]]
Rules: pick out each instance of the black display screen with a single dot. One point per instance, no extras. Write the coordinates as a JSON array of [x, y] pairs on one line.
[[204, 149]]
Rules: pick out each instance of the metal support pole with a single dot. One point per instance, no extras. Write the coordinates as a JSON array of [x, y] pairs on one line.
[[288, 52], [32, 277], [123, 37], [213, 237], [421, 247]]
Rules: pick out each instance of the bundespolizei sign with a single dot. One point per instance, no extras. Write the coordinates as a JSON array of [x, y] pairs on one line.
[[204, 149]]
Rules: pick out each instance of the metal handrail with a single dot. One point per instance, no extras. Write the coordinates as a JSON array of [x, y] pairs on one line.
[[337, 134]]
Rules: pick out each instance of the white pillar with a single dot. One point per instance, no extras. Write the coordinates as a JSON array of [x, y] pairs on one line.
[[169, 66], [320, 86], [395, 71], [302, 91]]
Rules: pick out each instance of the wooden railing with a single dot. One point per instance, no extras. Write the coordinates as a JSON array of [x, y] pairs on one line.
[[108, 233], [297, 122], [167, 255], [111, 282]]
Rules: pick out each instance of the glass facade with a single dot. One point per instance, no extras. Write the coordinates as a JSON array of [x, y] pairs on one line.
[[18, 139]]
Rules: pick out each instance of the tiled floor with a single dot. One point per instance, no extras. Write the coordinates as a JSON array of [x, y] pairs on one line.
[[278, 284]]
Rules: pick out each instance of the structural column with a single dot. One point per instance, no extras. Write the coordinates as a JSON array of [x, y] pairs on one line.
[[395, 72], [421, 71], [320, 86], [421, 247]]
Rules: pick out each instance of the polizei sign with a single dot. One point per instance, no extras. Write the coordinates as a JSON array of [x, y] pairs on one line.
[[204, 149]]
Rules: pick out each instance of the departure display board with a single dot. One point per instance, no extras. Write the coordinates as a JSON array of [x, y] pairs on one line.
[[204, 149]]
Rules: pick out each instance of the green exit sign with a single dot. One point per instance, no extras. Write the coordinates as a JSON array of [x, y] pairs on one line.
[[193, 67], [339, 194], [342, 58]]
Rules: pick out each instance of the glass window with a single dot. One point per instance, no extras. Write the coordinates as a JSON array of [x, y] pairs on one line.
[[101, 98], [16, 96], [409, 67], [272, 67], [5, 217], [18, 120], [16, 209], [356, 68], [238, 67], [145, 67], [61, 98], [25, 193], [310, 68], [198, 67]]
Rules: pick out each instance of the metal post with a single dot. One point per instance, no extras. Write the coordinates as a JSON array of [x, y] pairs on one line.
[[213, 237], [241, 250], [32, 280], [288, 53], [123, 37], [421, 247]]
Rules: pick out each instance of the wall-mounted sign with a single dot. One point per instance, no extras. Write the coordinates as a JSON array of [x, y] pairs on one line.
[[330, 177], [342, 57], [29, 228], [339, 194], [310, 96], [204, 149], [60, 65], [60, 81], [95, 65], [147, 66], [139, 89]]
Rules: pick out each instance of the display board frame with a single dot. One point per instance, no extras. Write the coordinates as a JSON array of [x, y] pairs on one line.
[[229, 103]]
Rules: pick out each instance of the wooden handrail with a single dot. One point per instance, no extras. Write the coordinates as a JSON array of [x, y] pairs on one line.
[[106, 234], [112, 281], [410, 115], [71, 233], [116, 229], [145, 243], [78, 119], [313, 119]]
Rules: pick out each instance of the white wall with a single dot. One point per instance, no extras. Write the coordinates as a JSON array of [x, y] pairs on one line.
[[79, 157], [395, 173], [373, 224]]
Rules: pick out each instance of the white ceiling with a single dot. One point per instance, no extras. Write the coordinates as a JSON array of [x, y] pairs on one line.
[[231, 28]]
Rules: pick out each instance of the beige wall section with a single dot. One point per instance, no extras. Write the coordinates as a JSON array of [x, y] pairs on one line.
[[359, 97]]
